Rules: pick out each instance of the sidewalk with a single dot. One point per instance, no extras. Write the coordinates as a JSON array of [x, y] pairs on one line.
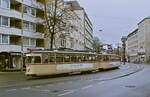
[[13, 79]]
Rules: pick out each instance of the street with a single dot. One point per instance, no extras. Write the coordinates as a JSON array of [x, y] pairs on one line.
[[128, 81]]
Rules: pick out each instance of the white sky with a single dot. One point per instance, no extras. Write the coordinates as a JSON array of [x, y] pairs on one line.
[[115, 17]]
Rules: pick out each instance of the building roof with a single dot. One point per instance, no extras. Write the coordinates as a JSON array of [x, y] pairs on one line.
[[74, 4], [132, 33], [144, 19]]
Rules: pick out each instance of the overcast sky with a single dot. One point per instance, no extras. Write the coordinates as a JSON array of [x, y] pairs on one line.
[[115, 17]]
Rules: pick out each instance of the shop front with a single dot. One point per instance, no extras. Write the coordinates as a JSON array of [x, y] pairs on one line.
[[10, 61]]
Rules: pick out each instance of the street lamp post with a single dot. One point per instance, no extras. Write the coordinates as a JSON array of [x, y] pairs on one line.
[[123, 39]]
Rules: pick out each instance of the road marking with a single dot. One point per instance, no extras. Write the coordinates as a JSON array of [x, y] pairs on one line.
[[61, 83], [26, 88], [38, 86], [50, 85], [91, 80], [102, 82], [86, 87], [66, 93], [11, 90], [44, 90]]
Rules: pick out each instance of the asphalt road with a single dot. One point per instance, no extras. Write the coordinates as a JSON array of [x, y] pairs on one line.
[[129, 81]]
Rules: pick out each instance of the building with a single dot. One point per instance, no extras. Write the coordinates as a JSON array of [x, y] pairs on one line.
[[107, 49], [132, 46], [85, 27], [143, 39], [72, 38], [77, 29], [138, 42], [20, 29]]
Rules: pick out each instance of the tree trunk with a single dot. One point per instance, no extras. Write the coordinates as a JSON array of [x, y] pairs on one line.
[[53, 27], [51, 41]]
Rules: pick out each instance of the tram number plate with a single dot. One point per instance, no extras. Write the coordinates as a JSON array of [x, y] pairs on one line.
[[74, 66]]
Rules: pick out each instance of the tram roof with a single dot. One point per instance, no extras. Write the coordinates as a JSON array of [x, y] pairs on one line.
[[68, 52], [60, 52]]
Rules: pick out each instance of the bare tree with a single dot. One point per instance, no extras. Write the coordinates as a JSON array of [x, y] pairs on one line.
[[97, 45], [56, 16]]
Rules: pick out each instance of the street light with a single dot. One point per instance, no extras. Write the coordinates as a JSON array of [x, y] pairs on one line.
[[123, 39]]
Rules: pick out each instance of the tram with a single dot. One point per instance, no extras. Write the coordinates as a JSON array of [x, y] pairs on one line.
[[45, 62]]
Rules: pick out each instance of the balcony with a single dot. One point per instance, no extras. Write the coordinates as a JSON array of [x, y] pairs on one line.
[[26, 48], [33, 19], [19, 1], [16, 9], [15, 23], [9, 13], [10, 31], [34, 3], [10, 48], [40, 4], [33, 34]]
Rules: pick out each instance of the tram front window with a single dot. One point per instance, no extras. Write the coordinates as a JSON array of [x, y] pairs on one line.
[[33, 59]]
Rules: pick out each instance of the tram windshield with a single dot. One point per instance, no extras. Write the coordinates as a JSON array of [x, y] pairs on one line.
[[33, 59]]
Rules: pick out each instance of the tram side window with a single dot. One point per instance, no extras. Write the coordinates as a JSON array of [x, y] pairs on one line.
[[37, 59], [34, 59], [51, 59]]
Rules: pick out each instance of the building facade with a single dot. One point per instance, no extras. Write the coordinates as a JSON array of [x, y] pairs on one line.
[[138, 42], [132, 46], [144, 41], [72, 37], [20, 29], [86, 27], [80, 34]]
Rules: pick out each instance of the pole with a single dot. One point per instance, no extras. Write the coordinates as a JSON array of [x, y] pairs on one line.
[[124, 48]]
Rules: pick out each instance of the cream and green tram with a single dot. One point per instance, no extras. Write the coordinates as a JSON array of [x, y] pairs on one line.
[[42, 63]]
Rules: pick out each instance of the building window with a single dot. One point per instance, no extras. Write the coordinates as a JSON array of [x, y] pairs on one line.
[[29, 41], [26, 41], [26, 9], [0, 38], [32, 42], [72, 42], [62, 40], [5, 3], [33, 11], [4, 39], [4, 21], [29, 10], [25, 25], [29, 26], [32, 26]]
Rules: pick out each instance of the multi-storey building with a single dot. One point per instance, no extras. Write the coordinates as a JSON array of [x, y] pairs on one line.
[[132, 46], [20, 28], [85, 26], [88, 32], [138, 42], [76, 32], [144, 40]]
